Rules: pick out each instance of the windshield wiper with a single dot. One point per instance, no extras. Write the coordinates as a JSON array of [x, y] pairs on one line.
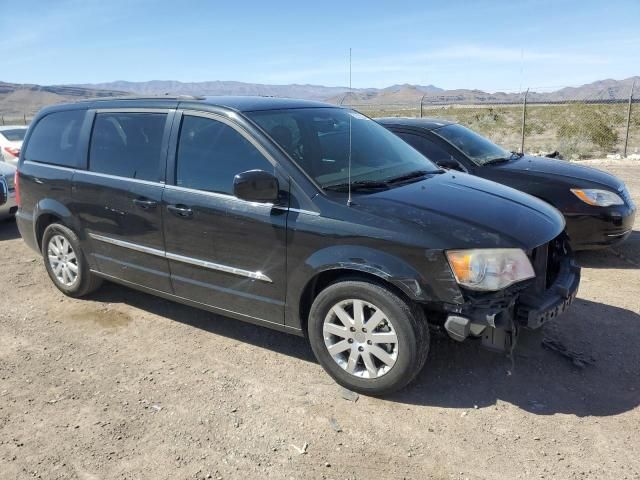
[[408, 176], [493, 161], [357, 185], [380, 184], [513, 156]]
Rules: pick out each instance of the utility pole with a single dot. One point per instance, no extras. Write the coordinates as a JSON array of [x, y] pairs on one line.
[[524, 119], [626, 137]]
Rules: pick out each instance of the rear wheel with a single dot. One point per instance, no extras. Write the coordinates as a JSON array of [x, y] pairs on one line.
[[65, 262], [368, 338]]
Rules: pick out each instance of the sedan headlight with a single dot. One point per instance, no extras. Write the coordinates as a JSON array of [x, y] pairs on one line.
[[490, 269], [597, 198]]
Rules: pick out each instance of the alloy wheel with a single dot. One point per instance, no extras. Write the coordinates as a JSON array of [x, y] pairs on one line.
[[360, 338], [62, 260]]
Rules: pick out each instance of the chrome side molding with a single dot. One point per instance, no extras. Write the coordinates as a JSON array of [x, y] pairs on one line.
[[181, 258]]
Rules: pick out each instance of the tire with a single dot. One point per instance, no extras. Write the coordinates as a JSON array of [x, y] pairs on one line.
[[53, 242], [381, 374]]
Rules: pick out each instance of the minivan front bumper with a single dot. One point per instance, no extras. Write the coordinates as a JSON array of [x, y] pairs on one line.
[[498, 317], [532, 310]]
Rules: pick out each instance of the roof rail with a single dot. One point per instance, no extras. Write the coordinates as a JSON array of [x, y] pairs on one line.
[[144, 97]]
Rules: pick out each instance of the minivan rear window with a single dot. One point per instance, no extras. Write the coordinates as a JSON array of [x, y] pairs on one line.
[[55, 139], [128, 145]]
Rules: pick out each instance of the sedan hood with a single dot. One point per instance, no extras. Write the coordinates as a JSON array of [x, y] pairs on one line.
[[456, 210], [561, 168]]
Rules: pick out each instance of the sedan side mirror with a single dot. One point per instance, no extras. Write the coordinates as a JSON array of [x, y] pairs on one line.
[[4, 191], [256, 186], [449, 164]]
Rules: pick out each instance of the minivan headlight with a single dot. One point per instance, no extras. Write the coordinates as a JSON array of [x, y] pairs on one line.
[[597, 198], [490, 269]]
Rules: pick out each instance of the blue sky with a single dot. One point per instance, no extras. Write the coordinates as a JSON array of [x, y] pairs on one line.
[[491, 45]]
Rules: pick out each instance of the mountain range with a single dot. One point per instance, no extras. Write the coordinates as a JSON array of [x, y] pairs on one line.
[[18, 99], [26, 99], [395, 94]]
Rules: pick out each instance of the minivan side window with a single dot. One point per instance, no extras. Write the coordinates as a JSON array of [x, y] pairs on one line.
[[128, 145], [211, 153], [54, 139]]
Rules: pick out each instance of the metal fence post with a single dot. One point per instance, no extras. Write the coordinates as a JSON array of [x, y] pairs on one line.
[[2, 119], [421, 105], [24, 118], [524, 119], [626, 135]]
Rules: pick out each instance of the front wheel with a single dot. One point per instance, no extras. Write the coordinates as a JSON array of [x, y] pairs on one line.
[[367, 338]]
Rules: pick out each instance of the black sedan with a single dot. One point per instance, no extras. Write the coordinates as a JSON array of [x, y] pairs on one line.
[[597, 206]]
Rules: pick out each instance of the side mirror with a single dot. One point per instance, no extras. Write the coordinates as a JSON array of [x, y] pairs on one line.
[[449, 164], [256, 186], [4, 191]]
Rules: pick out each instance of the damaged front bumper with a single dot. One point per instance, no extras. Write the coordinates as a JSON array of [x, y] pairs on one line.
[[534, 309], [499, 317]]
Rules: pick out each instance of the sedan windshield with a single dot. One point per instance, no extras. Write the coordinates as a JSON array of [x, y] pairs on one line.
[[14, 134], [321, 141], [478, 148]]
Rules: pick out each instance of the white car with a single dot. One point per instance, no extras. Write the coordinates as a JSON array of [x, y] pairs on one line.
[[7, 184], [11, 137]]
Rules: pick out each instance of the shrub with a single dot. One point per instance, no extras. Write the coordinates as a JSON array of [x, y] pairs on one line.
[[587, 127]]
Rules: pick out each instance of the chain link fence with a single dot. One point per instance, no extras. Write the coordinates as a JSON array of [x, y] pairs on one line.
[[576, 129], [14, 120]]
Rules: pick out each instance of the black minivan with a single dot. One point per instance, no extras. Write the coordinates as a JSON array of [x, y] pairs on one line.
[[296, 215]]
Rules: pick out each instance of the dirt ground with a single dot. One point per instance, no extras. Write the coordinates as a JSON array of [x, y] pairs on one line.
[[126, 385]]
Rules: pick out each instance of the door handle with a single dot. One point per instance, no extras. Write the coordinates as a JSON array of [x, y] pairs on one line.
[[180, 210], [145, 203]]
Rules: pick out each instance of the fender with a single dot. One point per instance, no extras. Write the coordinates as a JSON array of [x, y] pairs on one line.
[[387, 267], [49, 206]]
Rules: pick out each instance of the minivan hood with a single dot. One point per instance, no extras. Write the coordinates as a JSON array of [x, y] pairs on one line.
[[457, 210], [561, 168]]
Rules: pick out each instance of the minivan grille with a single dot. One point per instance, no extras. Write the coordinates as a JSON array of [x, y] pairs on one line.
[[546, 260], [557, 250]]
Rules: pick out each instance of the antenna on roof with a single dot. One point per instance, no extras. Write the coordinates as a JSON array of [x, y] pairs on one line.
[[349, 159]]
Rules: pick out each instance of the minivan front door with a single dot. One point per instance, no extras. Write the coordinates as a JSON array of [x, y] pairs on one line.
[[223, 252], [118, 196]]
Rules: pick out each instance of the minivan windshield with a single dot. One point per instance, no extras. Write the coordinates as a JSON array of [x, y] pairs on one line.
[[320, 141], [478, 148]]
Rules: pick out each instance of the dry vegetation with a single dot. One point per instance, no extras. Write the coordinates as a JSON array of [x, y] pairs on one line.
[[576, 130]]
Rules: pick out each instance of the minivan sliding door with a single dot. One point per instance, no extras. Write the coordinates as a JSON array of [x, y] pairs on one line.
[[118, 197]]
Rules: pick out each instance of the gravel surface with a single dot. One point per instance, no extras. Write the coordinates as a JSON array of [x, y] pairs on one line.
[[126, 385]]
